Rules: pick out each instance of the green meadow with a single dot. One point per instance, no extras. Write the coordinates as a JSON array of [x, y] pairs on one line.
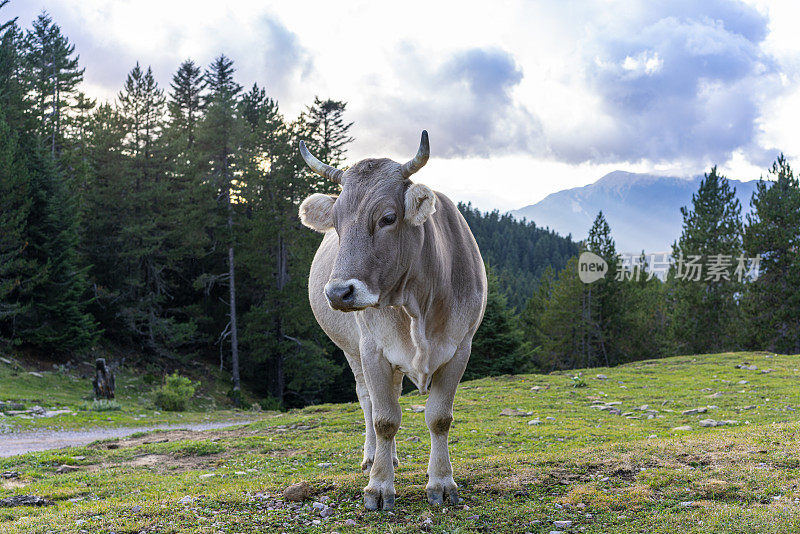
[[624, 449]]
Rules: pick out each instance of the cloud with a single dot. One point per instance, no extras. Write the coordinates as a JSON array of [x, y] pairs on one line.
[[110, 40], [465, 102], [682, 80], [285, 60]]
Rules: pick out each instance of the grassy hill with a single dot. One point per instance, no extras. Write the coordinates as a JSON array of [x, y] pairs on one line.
[[622, 453], [31, 382]]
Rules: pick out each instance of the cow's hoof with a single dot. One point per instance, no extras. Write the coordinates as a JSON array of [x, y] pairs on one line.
[[395, 462], [378, 500], [439, 494]]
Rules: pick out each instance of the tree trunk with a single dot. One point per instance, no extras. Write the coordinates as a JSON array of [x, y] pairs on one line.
[[232, 299], [282, 280], [103, 381], [234, 331]]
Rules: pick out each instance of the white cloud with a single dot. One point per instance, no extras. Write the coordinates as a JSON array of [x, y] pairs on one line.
[[523, 98]]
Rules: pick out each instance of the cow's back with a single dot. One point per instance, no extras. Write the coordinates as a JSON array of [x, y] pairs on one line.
[[341, 327]]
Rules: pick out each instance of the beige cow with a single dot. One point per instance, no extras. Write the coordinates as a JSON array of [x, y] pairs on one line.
[[399, 285]]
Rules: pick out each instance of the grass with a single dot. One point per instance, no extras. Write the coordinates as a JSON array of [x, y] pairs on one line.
[[58, 387], [602, 471]]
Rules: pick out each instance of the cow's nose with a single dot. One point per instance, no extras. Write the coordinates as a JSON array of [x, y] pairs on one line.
[[341, 294]]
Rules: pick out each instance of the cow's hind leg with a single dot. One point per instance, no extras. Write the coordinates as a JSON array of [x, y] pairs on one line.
[[398, 387], [438, 416], [366, 406], [386, 416]]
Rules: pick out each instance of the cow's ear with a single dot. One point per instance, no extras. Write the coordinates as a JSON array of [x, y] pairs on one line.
[[420, 204], [316, 212]]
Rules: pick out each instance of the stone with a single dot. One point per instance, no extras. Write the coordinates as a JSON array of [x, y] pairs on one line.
[[136, 509], [511, 412], [350, 522], [25, 500], [562, 524], [326, 512], [5, 360], [67, 469], [34, 373], [602, 377], [684, 428], [694, 411], [412, 439], [742, 382], [534, 422], [297, 492], [188, 499], [207, 475], [8, 475], [324, 465], [652, 436], [417, 408]]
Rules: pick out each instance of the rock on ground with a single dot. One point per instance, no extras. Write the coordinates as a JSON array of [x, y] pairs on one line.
[[25, 500], [297, 492]]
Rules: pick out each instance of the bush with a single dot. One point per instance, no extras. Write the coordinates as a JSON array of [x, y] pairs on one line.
[[175, 394], [101, 405]]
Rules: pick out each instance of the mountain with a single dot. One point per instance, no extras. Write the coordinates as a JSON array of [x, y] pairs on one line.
[[643, 210]]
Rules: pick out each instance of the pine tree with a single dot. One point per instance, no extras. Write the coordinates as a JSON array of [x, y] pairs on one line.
[[15, 269], [278, 328], [704, 313], [149, 225], [53, 77], [186, 103], [564, 321], [603, 314], [329, 133], [220, 137], [496, 347], [534, 335], [772, 301], [50, 290], [106, 208]]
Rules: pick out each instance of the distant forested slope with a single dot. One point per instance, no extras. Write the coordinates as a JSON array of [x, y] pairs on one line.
[[518, 252]]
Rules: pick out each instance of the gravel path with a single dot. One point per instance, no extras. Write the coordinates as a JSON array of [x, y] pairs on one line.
[[14, 443]]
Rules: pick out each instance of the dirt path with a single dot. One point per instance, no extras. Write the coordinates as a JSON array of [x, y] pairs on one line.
[[14, 443]]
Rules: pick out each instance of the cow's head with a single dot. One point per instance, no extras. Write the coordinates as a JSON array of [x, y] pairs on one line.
[[379, 219]]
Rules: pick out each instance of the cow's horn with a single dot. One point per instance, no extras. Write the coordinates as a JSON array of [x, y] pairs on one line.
[[420, 159], [331, 173]]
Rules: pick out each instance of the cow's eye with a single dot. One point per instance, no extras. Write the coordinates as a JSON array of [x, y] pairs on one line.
[[386, 220]]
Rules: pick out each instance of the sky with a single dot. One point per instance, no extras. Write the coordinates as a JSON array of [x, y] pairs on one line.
[[520, 98]]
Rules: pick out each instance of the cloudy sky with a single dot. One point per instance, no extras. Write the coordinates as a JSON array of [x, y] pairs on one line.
[[521, 99]]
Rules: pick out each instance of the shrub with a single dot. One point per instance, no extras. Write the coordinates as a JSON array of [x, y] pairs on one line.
[[175, 394], [578, 381], [101, 405]]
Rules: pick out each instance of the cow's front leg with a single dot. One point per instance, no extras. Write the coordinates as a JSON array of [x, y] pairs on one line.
[[438, 416], [386, 417]]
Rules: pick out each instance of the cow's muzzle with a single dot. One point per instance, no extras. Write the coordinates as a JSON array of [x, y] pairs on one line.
[[349, 295]]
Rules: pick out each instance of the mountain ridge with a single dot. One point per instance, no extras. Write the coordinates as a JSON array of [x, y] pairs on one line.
[[642, 209]]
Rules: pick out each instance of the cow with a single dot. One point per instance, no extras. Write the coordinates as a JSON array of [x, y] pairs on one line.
[[399, 285]]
